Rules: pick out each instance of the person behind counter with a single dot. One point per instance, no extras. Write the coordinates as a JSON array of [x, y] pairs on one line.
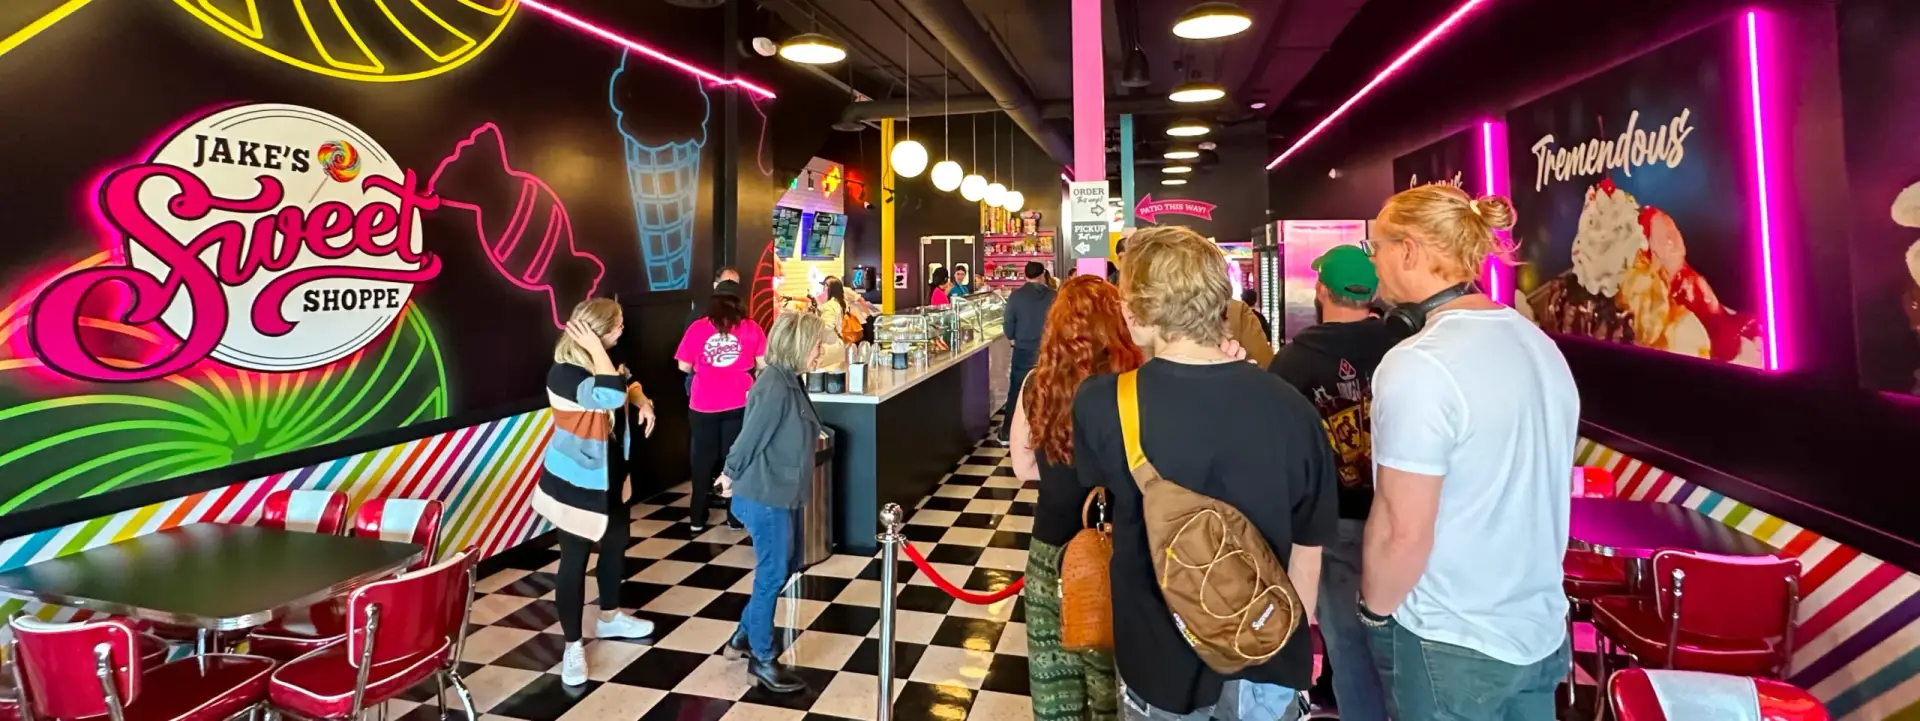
[[721, 350], [845, 314], [942, 285], [1024, 322], [1086, 335], [768, 474], [583, 487], [962, 282]]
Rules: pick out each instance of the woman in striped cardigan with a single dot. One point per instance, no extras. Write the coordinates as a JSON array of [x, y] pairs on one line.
[[584, 488]]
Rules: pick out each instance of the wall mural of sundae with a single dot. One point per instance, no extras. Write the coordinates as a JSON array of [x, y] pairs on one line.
[[1634, 200], [1880, 58]]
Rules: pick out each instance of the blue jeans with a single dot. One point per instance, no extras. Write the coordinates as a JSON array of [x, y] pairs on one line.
[[1239, 701], [772, 532], [1433, 681], [1356, 683]]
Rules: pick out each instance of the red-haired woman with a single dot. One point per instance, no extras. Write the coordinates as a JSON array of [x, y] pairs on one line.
[[1086, 335]]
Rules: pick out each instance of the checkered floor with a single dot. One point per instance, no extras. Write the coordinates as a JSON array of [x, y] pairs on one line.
[[955, 660]]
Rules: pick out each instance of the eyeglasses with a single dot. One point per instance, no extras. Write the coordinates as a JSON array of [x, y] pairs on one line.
[[1371, 246]]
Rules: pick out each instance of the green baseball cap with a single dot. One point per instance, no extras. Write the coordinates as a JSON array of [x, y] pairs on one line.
[[1346, 271]]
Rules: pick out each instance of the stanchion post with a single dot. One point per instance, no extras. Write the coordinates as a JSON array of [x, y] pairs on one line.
[[890, 540]]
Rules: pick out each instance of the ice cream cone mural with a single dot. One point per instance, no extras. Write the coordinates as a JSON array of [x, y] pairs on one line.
[[91, 438], [663, 174], [369, 40], [518, 221]]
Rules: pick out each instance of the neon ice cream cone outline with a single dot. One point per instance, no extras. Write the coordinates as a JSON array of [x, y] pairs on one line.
[[663, 181], [524, 228]]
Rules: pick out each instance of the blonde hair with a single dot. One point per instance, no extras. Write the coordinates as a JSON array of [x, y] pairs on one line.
[[602, 315], [793, 338], [1176, 281], [1457, 228]]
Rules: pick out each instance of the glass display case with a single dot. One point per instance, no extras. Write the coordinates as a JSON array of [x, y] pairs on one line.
[[980, 314], [943, 327], [901, 328]]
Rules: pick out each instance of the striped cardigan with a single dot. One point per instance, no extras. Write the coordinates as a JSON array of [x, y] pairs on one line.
[[584, 472]]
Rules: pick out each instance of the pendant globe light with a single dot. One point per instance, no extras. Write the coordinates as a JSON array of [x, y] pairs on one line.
[[946, 173], [974, 187], [909, 156], [1013, 201], [996, 193]]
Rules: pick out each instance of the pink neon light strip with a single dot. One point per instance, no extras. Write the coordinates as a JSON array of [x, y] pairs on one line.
[[1761, 179], [1404, 58], [610, 36], [1486, 153]]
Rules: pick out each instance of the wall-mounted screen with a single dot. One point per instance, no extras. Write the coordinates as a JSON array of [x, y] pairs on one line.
[[826, 237]]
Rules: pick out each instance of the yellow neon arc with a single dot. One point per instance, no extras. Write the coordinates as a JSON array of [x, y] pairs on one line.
[[361, 62]]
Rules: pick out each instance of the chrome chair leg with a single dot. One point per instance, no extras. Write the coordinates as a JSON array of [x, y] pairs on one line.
[[440, 699], [1601, 647], [466, 696]]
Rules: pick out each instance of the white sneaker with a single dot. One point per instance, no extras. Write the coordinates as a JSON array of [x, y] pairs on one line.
[[622, 626], [573, 665]]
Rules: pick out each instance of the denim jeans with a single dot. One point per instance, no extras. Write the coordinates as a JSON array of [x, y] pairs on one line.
[[1433, 681], [772, 532], [1239, 701], [1356, 683]]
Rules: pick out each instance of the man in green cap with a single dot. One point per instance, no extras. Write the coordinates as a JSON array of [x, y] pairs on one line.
[[1332, 364]]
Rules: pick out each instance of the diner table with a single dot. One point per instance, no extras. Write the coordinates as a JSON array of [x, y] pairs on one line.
[[1634, 530], [212, 577]]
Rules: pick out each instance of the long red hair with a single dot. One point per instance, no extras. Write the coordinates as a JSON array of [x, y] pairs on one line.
[[1085, 334]]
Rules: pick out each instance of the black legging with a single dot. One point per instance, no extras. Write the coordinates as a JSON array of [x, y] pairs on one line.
[[713, 435], [570, 591]]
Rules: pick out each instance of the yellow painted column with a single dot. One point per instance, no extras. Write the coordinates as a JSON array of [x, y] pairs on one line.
[[884, 273]]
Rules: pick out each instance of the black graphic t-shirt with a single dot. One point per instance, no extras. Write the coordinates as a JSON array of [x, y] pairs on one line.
[[1332, 364]]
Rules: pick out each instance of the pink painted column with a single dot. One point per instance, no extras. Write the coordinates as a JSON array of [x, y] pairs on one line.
[[1089, 93]]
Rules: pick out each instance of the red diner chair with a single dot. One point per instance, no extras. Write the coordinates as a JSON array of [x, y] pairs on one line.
[[1594, 482], [97, 669], [403, 520], [1724, 614], [1656, 695], [322, 512], [404, 631]]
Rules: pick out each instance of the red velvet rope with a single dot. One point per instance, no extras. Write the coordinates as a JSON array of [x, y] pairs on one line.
[[978, 599]]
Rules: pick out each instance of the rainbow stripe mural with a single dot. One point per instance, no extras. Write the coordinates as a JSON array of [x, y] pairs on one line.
[[1858, 635], [482, 473]]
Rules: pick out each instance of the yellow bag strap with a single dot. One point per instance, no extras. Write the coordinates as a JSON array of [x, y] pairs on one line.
[[1130, 418]]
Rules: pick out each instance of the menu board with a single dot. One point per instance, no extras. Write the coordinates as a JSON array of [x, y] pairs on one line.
[[825, 237], [786, 230]]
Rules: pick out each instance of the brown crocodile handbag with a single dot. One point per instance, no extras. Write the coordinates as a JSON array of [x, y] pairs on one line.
[[1086, 591]]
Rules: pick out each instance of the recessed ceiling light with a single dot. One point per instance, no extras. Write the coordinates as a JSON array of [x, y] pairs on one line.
[[1181, 154], [1211, 20], [1174, 181], [1258, 106], [813, 49], [1194, 91], [1176, 169], [1188, 129], [1208, 145]]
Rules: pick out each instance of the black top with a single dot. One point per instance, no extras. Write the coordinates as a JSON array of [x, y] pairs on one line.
[[1057, 516], [1233, 432], [1025, 318], [1332, 364]]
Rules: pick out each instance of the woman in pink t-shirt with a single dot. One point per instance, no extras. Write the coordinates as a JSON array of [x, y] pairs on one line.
[[942, 285], [721, 350]]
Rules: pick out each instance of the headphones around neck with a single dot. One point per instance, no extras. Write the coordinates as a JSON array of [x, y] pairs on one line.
[[1407, 319]]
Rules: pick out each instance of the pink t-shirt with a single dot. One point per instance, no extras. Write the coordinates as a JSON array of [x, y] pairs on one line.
[[722, 363]]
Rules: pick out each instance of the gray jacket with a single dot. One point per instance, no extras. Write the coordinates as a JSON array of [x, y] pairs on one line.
[[772, 460], [1025, 319]]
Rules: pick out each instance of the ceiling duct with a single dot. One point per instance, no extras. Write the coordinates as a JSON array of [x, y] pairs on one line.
[[1049, 109], [955, 27]]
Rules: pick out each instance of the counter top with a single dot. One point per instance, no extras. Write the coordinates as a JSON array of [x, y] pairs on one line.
[[884, 382]]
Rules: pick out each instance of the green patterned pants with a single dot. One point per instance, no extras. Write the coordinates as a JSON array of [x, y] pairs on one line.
[[1066, 685]]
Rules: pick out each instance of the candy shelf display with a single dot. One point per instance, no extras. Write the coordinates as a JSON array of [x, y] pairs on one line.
[[1005, 261]]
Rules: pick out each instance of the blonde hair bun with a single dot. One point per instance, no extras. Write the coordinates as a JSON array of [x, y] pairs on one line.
[[1495, 210]]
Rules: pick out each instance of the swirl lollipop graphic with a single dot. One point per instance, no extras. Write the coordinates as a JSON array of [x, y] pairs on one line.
[[340, 161], [663, 178], [82, 439]]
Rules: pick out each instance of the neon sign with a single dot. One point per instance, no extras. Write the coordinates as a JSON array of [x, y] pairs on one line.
[[216, 253]]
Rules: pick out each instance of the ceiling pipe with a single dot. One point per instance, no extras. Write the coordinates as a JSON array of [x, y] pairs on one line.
[[1050, 109], [953, 24]]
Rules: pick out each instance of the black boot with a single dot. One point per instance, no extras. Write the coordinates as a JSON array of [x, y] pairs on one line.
[[774, 677], [737, 646]]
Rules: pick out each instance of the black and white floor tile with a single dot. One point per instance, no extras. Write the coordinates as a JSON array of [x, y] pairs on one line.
[[954, 660]]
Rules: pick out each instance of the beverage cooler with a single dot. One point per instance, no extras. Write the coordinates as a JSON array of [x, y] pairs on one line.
[[1284, 252], [1268, 255]]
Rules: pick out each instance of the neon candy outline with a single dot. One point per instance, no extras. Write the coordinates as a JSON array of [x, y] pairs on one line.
[[559, 222]]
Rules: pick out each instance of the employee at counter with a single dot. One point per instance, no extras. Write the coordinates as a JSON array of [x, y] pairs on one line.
[[942, 285]]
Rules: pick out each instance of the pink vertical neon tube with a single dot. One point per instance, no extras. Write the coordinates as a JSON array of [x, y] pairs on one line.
[[1763, 204], [1493, 173], [1089, 93]]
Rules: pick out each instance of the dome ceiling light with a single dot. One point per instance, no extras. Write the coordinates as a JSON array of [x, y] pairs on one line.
[[1211, 21], [813, 49], [1197, 91]]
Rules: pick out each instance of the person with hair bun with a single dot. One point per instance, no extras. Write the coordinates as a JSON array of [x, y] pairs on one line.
[[1474, 420]]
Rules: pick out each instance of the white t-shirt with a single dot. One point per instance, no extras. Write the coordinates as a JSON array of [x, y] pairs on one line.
[[1484, 400]]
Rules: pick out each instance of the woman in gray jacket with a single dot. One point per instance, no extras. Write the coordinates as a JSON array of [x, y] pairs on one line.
[[768, 474]]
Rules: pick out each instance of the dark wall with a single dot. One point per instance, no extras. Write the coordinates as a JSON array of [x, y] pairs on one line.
[[545, 169], [1808, 445], [1232, 179]]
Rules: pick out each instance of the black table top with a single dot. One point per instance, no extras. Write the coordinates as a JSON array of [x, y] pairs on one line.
[[1635, 529], [209, 575]]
